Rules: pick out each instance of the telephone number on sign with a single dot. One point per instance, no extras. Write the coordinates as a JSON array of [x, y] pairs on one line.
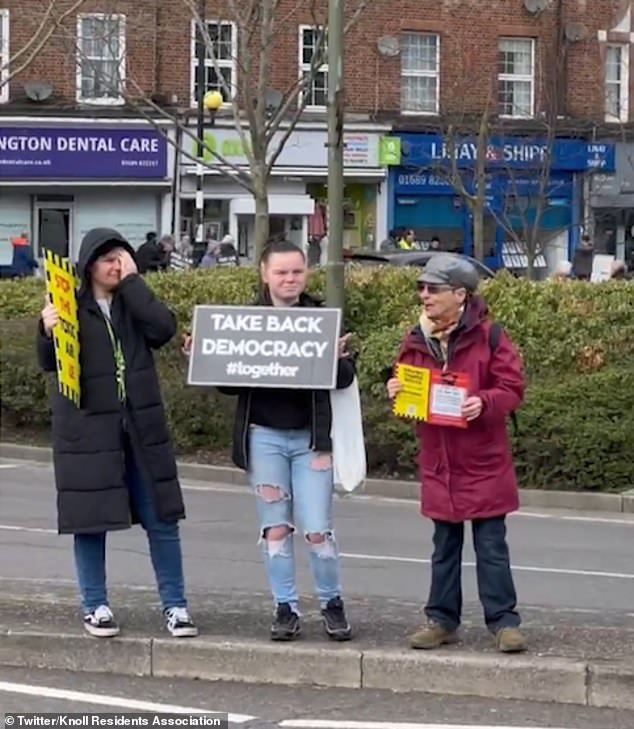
[[416, 180]]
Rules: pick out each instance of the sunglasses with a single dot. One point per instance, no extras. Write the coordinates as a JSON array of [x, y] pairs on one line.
[[432, 288]]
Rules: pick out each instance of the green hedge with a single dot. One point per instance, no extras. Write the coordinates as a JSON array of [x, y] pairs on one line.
[[577, 340]]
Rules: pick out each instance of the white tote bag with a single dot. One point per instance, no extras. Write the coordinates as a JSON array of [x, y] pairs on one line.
[[348, 445]]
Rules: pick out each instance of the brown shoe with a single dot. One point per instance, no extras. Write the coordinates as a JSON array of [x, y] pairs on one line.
[[510, 640], [431, 636]]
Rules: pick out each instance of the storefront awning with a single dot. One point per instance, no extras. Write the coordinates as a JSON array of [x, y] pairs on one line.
[[278, 205]]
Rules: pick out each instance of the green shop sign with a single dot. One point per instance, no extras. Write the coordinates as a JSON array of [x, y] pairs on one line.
[[390, 151], [231, 148]]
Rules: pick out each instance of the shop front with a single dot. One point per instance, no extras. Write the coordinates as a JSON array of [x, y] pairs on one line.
[[297, 192], [57, 181], [524, 179], [612, 203]]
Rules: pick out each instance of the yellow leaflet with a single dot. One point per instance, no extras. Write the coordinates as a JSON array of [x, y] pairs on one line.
[[413, 400], [61, 288]]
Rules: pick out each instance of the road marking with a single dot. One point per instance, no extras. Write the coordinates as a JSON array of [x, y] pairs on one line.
[[105, 700], [342, 724], [405, 560], [516, 568], [8, 465], [34, 530]]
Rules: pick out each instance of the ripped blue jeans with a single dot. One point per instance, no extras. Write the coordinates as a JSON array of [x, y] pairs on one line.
[[290, 482]]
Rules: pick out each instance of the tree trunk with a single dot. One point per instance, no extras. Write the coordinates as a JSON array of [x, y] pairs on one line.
[[261, 227], [530, 262], [478, 229]]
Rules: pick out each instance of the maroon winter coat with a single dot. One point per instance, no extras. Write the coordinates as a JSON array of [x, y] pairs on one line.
[[468, 473]]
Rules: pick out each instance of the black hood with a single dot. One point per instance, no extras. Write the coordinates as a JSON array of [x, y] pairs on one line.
[[94, 240]]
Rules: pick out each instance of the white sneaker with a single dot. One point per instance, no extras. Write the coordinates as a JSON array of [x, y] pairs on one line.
[[101, 623], [179, 623]]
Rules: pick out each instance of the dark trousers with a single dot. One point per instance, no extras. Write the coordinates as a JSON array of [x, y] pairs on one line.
[[493, 567]]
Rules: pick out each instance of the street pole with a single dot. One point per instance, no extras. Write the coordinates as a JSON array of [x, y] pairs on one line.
[[334, 265], [199, 244]]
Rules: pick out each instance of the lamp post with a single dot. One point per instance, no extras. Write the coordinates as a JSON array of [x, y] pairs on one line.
[[209, 102]]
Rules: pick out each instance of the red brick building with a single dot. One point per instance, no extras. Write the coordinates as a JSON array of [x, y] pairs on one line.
[[410, 65]]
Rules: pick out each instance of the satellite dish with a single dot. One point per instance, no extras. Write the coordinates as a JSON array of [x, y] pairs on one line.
[[576, 32], [38, 90], [273, 99], [388, 46], [536, 6]]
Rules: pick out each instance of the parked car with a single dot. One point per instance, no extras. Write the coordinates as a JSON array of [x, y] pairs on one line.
[[406, 258]]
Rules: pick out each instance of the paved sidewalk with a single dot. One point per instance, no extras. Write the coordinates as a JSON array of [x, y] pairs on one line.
[[571, 660]]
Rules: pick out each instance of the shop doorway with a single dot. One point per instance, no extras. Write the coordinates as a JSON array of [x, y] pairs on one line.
[[53, 228]]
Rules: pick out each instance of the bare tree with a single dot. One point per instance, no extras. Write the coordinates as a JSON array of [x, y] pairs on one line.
[[263, 127], [48, 21]]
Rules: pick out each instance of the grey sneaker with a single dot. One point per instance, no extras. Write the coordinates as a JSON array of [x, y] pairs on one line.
[[179, 623], [101, 623]]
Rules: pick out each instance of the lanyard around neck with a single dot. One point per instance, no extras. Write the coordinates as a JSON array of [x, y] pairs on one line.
[[119, 361]]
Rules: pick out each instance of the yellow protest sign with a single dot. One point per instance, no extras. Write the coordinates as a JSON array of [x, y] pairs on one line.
[[413, 400], [61, 287]]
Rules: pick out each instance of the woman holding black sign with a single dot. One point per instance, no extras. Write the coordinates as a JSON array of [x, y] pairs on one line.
[[282, 438]]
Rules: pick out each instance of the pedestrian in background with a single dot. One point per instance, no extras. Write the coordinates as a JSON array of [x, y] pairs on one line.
[[113, 457], [467, 472]]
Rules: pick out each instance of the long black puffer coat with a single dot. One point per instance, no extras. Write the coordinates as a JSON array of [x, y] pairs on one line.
[[88, 443]]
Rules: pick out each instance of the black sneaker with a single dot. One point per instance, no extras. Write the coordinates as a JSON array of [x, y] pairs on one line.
[[101, 623], [179, 623], [335, 622], [286, 625]]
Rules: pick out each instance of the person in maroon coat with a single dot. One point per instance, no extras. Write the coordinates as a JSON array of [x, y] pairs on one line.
[[467, 472]]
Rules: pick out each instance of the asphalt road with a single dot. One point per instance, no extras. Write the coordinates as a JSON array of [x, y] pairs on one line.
[[562, 561], [291, 708]]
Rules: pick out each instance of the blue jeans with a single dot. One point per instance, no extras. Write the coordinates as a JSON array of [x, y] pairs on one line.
[[493, 570], [163, 538], [291, 480]]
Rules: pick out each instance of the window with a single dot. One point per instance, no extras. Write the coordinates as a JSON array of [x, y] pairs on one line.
[[312, 42], [616, 82], [221, 53], [100, 58], [516, 77], [420, 83], [4, 55]]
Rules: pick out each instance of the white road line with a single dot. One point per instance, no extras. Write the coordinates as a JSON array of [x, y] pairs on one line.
[[105, 700], [407, 560], [516, 568], [8, 465], [342, 724], [34, 530]]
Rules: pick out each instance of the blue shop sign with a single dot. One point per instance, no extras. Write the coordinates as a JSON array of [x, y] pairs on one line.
[[58, 153], [409, 182], [574, 155]]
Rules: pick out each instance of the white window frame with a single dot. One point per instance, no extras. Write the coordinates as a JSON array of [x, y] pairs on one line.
[[5, 56], [106, 100], [232, 64], [303, 67], [624, 96], [422, 74], [530, 78]]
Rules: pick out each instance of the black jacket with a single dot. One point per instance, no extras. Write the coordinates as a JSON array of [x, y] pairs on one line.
[[320, 415], [88, 442]]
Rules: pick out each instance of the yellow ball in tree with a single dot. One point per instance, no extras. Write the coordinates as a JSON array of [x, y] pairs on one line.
[[213, 100]]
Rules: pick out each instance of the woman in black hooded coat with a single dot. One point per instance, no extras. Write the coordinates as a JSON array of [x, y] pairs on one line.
[[113, 457]]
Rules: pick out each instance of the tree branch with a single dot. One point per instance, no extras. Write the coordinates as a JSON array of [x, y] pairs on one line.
[[52, 23]]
